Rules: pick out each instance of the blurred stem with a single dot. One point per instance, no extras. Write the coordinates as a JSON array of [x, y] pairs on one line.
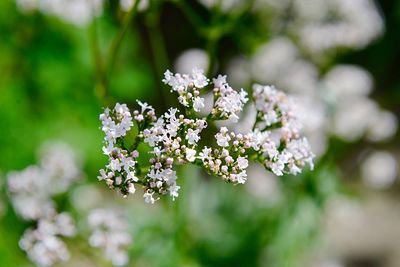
[[104, 70], [211, 52], [116, 42], [101, 84], [159, 52], [191, 15]]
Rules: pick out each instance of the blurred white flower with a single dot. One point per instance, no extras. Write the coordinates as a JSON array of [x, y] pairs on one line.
[[110, 233], [344, 81], [271, 59], [328, 263], [225, 6], [32, 188], [31, 191], [190, 59], [262, 184], [44, 245], [78, 12], [379, 170], [383, 125], [60, 161], [356, 24], [352, 117], [279, 62], [126, 5], [26, 6], [93, 197]]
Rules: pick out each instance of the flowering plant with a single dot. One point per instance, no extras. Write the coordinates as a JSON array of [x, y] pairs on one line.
[[274, 140]]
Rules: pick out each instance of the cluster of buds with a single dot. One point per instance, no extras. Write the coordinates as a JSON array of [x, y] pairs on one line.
[[229, 159], [173, 137]]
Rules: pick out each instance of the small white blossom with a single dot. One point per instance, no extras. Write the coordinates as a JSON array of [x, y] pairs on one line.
[[192, 136], [241, 177], [198, 103], [190, 154], [222, 137], [242, 163]]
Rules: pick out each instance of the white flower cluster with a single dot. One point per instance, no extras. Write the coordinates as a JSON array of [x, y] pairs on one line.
[[110, 233], [44, 244], [78, 12], [322, 26], [333, 103], [355, 25], [229, 103], [174, 138], [188, 87], [31, 191], [120, 172], [229, 160], [281, 148]]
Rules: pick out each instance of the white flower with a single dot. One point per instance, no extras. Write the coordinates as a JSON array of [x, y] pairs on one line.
[[242, 163], [192, 136], [241, 177], [190, 154], [205, 154], [379, 170], [220, 81], [148, 198], [198, 103], [115, 165], [243, 96], [173, 191], [198, 78], [131, 176], [278, 167], [222, 137], [131, 187]]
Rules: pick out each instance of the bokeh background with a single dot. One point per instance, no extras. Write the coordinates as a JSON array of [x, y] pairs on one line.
[[339, 58]]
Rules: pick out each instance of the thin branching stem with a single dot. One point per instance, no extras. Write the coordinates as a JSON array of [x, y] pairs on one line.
[[101, 84], [116, 42], [159, 53]]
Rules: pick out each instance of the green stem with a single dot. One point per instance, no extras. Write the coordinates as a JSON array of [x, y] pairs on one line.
[[211, 52], [191, 15], [101, 84], [116, 42], [136, 143], [160, 55]]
